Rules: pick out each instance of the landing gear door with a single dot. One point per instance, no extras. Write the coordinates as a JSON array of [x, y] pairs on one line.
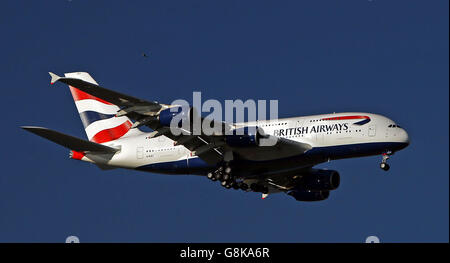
[[372, 130]]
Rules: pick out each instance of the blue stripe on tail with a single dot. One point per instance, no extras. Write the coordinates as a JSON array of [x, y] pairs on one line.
[[88, 117]]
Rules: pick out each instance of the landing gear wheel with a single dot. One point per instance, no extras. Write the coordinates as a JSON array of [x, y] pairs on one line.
[[226, 184], [244, 187], [210, 176], [219, 177], [385, 166], [226, 177]]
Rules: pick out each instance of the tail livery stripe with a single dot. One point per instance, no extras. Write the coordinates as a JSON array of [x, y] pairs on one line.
[[81, 95], [99, 116], [105, 124], [88, 117], [112, 134], [93, 105]]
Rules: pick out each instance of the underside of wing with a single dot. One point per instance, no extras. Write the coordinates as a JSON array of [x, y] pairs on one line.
[[111, 96], [282, 148]]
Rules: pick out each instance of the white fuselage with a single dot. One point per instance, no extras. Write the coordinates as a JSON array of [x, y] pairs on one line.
[[337, 138]]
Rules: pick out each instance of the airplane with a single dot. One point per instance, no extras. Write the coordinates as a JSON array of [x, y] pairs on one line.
[[237, 160]]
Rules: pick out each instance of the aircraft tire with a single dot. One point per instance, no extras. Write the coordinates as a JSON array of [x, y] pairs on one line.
[[226, 177], [385, 166]]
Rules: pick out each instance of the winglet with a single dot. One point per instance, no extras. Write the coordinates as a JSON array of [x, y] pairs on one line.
[[55, 77], [264, 196]]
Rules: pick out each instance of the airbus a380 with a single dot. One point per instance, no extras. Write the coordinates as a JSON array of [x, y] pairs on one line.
[[237, 159]]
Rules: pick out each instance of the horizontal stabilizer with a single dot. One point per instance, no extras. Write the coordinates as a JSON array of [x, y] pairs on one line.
[[68, 141]]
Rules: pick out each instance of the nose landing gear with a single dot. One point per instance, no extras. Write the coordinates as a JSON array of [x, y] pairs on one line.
[[384, 165]]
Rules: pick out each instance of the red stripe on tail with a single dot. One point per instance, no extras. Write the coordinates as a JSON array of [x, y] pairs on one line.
[[81, 95], [112, 134]]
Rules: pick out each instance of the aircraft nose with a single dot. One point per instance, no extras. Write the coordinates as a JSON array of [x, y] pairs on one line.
[[405, 137]]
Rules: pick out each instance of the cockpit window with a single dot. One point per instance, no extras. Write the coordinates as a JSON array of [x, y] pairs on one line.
[[394, 126]]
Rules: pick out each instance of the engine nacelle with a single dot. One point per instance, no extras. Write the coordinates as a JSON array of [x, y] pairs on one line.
[[244, 137], [318, 179], [166, 116], [309, 196]]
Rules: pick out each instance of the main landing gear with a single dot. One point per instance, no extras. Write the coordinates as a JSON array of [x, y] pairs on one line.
[[384, 165], [227, 180], [222, 174]]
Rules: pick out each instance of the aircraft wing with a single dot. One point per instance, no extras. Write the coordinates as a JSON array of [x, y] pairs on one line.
[[211, 148], [282, 148], [113, 97]]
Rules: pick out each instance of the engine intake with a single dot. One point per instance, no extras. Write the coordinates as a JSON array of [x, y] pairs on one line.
[[320, 180], [184, 114]]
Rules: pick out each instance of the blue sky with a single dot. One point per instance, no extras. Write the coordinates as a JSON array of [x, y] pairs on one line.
[[386, 57]]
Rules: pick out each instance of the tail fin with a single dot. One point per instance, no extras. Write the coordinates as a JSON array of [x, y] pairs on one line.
[[99, 116]]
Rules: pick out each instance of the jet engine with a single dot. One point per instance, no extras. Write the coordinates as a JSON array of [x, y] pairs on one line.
[[320, 180], [184, 113], [307, 195]]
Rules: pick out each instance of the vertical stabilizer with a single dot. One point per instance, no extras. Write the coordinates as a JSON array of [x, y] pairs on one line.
[[99, 116]]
